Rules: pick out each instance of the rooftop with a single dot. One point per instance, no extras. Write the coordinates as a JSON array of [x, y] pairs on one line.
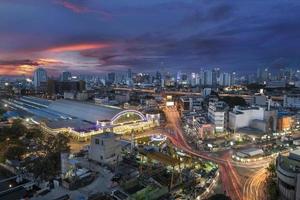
[[291, 162], [85, 111]]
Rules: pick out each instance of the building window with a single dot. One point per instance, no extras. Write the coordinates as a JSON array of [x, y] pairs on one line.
[[102, 142], [101, 157], [96, 141]]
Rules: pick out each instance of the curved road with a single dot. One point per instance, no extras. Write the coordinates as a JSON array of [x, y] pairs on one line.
[[229, 177]]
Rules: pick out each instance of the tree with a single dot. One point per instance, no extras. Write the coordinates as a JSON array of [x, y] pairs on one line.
[[16, 130], [272, 170], [14, 152], [271, 183], [47, 166], [34, 133], [234, 101], [59, 143]]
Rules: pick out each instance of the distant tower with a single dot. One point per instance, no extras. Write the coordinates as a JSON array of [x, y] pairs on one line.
[[39, 75], [129, 77]]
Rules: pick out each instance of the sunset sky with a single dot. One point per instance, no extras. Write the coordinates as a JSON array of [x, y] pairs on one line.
[[96, 36]]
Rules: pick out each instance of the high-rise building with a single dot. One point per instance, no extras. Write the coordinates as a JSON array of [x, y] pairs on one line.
[[233, 79], [263, 75], [208, 77], [158, 79], [111, 77], [225, 79], [129, 77], [39, 75], [215, 76], [193, 79], [66, 76]]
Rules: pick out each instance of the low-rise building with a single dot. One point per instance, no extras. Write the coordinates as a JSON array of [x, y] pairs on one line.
[[260, 100], [241, 117], [105, 149], [187, 103], [291, 101], [285, 123]]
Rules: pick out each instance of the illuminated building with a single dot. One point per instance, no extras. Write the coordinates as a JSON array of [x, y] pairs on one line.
[[84, 119], [285, 123]]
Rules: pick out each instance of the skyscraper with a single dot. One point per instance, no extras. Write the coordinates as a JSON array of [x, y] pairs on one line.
[[39, 75], [208, 78], [215, 76], [225, 79], [66, 76], [129, 77]]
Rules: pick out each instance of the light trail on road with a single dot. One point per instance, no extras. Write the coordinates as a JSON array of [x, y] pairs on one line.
[[254, 188], [230, 180]]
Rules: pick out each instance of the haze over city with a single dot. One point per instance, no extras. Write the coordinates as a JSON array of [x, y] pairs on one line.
[[92, 36]]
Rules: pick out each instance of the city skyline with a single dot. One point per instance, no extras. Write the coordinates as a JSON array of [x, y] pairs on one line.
[[93, 37]]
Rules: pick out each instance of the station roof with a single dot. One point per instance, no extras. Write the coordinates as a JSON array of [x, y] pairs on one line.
[[85, 111]]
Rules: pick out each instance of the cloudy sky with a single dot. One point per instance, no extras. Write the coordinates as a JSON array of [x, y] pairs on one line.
[[96, 36]]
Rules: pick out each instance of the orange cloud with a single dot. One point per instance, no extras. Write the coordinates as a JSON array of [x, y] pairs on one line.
[[17, 70], [26, 66], [78, 47]]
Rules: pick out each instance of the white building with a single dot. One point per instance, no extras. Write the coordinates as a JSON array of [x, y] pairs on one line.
[[39, 75], [217, 114], [291, 101], [105, 149], [242, 117], [288, 175]]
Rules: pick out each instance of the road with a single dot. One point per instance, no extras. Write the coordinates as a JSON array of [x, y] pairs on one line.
[[229, 177], [254, 188]]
